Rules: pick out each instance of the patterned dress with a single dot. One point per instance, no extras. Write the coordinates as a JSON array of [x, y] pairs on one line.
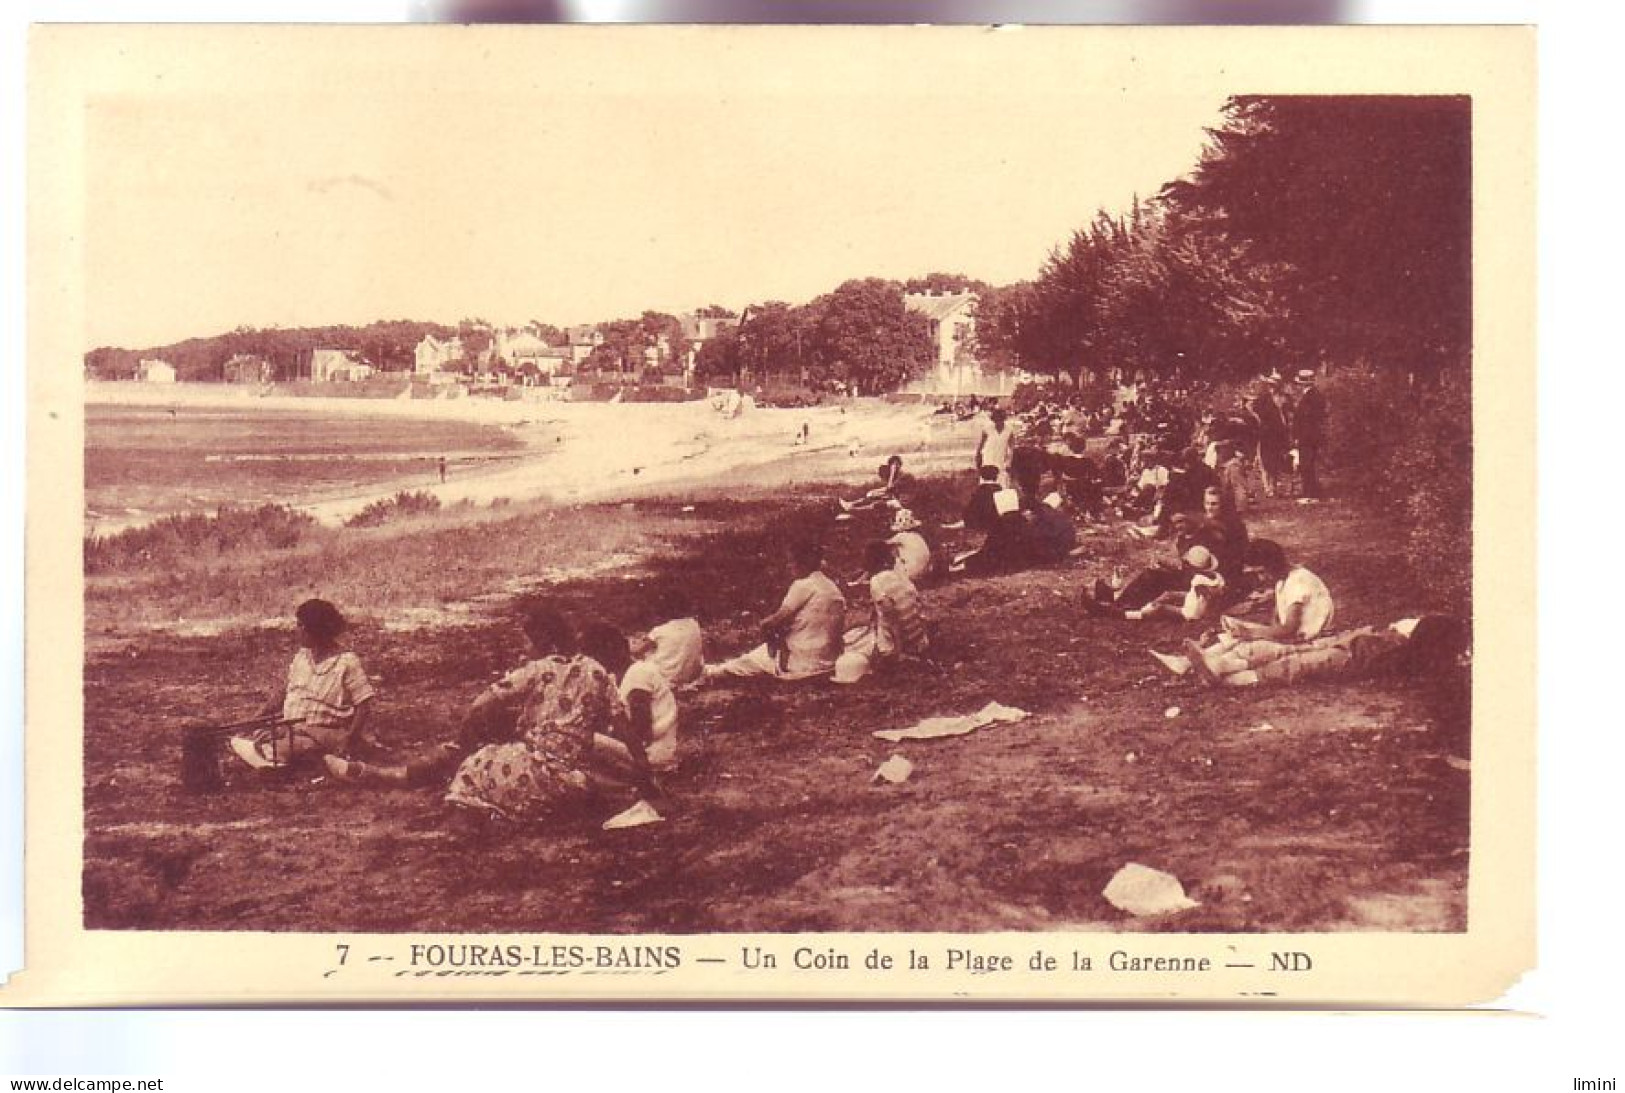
[[554, 706]]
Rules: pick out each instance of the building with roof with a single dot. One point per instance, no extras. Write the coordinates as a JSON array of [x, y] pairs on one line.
[[951, 323], [583, 340], [337, 366], [153, 370], [434, 355]]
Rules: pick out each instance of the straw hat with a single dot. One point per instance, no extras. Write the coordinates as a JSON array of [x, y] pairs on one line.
[[904, 520], [1200, 558]]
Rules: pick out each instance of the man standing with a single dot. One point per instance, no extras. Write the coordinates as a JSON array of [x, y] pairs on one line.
[[1309, 431], [1272, 433], [996, 444]]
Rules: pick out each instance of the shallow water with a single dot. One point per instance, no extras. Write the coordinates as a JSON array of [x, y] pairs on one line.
[[148, 461]]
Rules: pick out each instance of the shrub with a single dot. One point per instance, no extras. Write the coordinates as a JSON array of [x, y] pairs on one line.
[[405, 503], [174, 539], [1411, 448]]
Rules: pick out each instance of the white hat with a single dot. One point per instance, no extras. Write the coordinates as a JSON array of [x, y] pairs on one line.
[[1306, 375], [904, 520], [851, 667], [1201, 558]]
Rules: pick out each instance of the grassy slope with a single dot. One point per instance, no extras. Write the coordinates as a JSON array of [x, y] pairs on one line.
[[1345, 814]]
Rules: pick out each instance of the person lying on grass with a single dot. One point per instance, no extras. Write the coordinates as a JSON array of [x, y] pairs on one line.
[[1303, 610], [326, 702], [1409, 648], [526, 746], [803, 637], [891, 481], [896, 626]]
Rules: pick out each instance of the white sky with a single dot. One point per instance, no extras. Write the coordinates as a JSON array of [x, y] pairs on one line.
[[574, 176]]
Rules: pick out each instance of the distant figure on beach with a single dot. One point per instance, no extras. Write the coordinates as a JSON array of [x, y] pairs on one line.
[[442, 469], [805, 436]]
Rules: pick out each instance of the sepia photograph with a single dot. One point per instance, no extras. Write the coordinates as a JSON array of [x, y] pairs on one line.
[[645, 485]]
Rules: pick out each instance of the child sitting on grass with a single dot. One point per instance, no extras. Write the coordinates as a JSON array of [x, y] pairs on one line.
[[676, 646], [914, 556], [896, 626], [649, 741], [1197, 601], [327, 700]]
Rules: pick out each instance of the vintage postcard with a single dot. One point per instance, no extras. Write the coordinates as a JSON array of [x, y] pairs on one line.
[[824, 514]]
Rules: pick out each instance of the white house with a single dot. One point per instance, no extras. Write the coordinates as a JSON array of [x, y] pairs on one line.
[[519, 348], [337, 366], [951, 319], [153, 370], [433, 355]]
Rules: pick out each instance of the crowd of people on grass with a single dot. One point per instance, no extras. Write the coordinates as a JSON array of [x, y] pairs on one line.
[[591, 712]]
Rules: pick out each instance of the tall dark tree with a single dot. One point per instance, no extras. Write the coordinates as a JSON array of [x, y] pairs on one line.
[[862, 333], [774, 340], [1367, 200]]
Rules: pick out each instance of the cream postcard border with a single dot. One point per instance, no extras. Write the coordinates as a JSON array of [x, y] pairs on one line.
[[67, 965]]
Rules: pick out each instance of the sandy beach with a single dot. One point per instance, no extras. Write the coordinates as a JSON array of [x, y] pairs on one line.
[[577, 452]]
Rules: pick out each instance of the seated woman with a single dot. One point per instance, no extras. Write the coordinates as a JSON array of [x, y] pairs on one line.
[[526, 745], [1008, 545], [1018, 536], [327, 700], [1052, 531], [981, 512], [914, 555], [891, 481], [803, 637], [895, 628], [1077, 478]]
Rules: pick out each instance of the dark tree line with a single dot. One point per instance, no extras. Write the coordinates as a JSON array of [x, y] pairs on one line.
[[1312, 228], [386, 345]]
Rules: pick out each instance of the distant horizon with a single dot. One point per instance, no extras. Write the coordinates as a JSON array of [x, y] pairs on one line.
[[580, 175]]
